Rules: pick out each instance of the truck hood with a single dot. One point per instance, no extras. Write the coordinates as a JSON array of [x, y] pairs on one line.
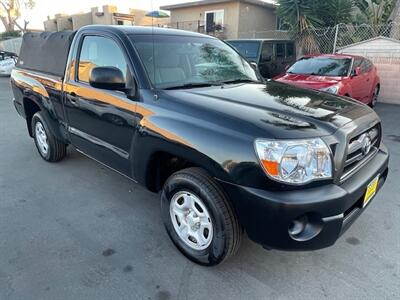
[[273, 110], [309, 81]]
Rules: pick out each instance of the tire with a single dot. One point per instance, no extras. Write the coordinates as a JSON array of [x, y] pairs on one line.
[[375, 96], [221, 234], [49, 148]]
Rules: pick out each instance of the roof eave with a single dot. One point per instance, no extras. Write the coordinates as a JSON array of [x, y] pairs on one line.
[[201, 3]]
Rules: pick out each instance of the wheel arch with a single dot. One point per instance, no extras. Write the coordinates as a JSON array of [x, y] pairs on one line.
[[31, 106], [154, 166]]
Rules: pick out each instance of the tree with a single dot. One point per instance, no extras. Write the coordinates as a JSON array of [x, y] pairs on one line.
[[301, 16], [298, 15], [375, 12], [10, 13], [333, 12]]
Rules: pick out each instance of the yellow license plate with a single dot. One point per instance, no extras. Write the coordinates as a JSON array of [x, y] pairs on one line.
[[371, 190]]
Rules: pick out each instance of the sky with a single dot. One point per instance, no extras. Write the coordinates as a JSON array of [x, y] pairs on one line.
[[46, 8]]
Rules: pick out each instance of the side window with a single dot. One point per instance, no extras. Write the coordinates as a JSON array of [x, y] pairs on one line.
[[280, 50], [366, 66], [357, 63], [99, 52], [267, 52], [289, 50]]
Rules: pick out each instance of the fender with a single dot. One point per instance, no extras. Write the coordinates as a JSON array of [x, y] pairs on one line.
[[147, 150], [35, 88]]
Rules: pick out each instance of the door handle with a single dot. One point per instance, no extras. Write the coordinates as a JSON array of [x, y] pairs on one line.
[[73, 98]]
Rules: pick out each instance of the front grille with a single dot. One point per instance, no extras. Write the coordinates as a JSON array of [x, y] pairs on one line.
[[361, 149]]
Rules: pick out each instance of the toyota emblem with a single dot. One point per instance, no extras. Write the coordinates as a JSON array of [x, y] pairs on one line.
[[367, 144]]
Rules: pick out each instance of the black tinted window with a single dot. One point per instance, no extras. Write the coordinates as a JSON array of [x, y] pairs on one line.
[[289, 50], [99, 52], [280, 50], [267, 52], [247, 49], [321, 66]]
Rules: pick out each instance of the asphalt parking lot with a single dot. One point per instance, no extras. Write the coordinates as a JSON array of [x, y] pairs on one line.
[[76, 230]]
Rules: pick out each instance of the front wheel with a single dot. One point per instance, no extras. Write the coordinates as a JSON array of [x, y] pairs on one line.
[[198, 217], [375, 96], [49, 148]]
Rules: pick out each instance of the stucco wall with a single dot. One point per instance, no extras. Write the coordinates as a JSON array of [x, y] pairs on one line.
[[255, 18], [195, 13], [81, 20], [141, 19], [385, 54], [50, 25], [64, 23], [107, 17]]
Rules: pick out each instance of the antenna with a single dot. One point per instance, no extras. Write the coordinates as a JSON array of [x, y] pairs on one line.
[[152, 34]]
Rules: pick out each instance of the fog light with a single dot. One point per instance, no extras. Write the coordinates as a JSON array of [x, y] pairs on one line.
[[305, 227], [297, 226]]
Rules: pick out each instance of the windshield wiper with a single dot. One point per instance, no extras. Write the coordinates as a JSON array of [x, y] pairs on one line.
[[239, 80], [192, 85]]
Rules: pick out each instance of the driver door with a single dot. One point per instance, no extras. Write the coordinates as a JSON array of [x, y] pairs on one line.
[[100, 122], [357, 81], [265, 65]]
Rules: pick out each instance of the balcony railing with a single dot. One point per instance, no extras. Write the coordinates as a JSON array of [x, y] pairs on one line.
[[197, 26]]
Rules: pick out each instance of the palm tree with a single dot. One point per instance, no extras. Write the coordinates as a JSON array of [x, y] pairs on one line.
[[375, 12]]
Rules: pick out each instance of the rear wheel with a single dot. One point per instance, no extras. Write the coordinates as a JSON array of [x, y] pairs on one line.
[[198, 217], [49, 148], [374, 99]]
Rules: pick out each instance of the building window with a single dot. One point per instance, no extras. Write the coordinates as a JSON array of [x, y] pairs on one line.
[[214, 20]]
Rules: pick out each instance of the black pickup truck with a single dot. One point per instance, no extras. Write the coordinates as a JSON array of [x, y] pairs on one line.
[[188, 117]]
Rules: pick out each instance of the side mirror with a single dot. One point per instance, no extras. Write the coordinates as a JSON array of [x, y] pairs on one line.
[[357, 71], [254, 65], [107, 78], [287, 67]]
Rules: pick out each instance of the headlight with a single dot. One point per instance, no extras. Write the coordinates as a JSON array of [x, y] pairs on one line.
[[334, 89], [295, 161]]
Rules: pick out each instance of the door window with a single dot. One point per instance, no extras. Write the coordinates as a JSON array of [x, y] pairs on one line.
[[280, 50], [267, 52], [99, 52], [289, 50], [357, 63], [366, 66]]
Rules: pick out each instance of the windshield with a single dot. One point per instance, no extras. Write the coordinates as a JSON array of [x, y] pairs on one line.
[[247, 49], [182, 61], [323, 66]]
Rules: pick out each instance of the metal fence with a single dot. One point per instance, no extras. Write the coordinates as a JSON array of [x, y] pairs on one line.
[[11, 45], [329, 40], [197, 26]]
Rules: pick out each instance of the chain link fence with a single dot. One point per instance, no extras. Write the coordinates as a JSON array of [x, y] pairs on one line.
[[329, 40]]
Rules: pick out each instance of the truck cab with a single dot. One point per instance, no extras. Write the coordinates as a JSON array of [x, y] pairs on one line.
[[271, 56]]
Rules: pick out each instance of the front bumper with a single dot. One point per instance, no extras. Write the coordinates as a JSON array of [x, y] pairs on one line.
[[267, 216]]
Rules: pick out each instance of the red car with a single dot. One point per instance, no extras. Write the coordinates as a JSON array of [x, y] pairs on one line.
[[341, 74]]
